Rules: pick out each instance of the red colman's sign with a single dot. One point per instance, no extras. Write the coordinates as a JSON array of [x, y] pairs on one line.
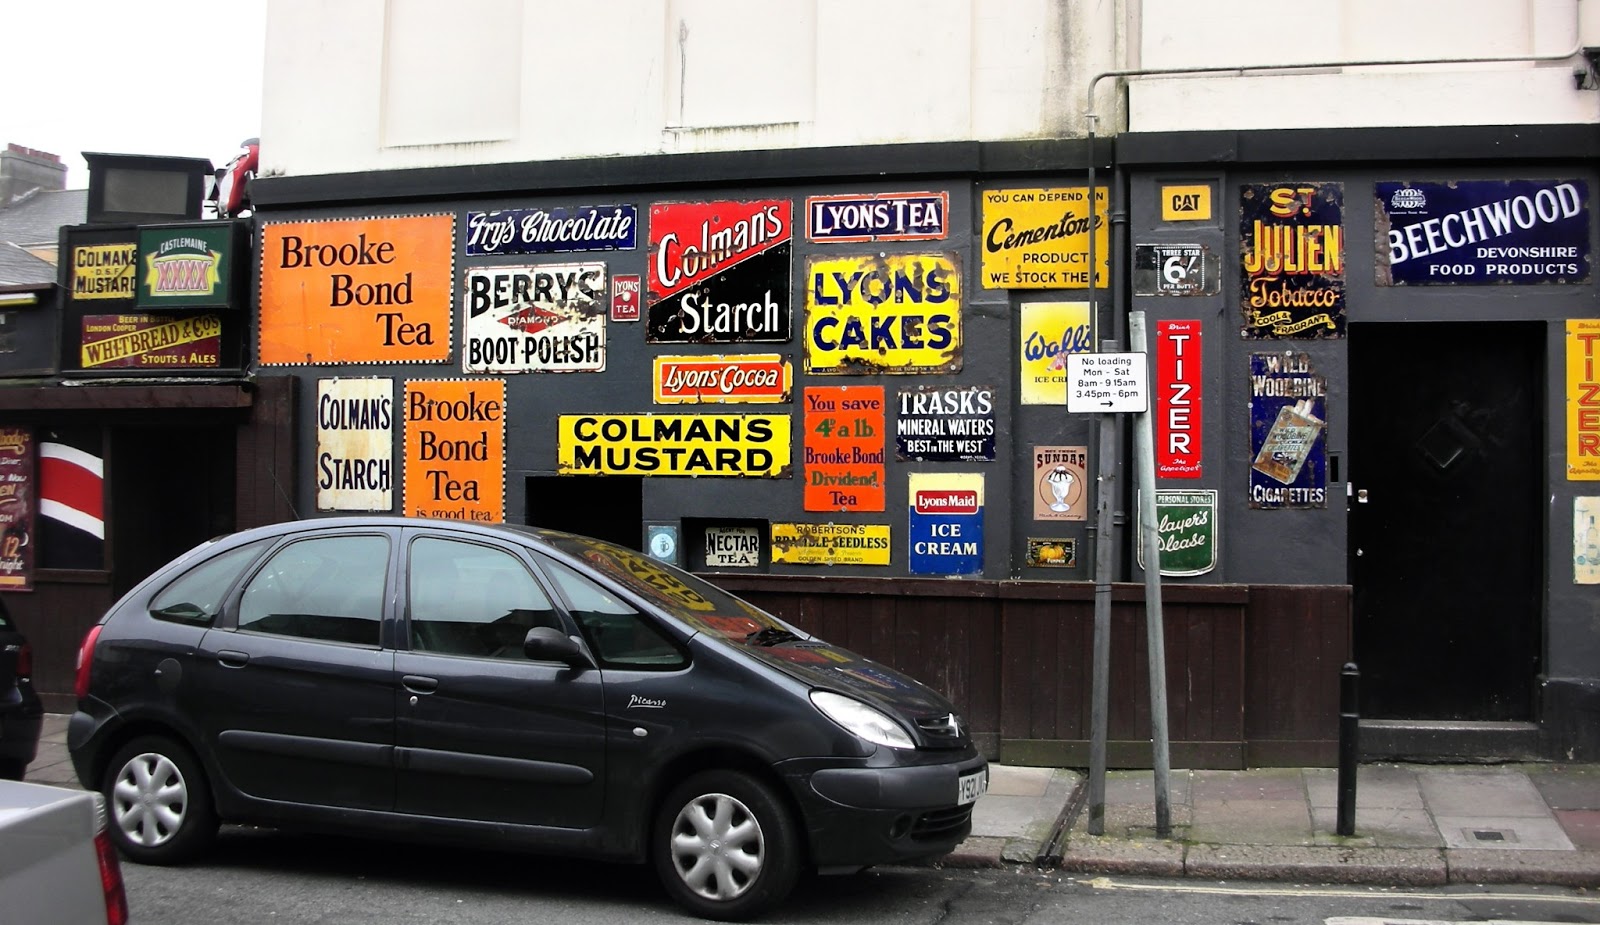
[[719, 272]]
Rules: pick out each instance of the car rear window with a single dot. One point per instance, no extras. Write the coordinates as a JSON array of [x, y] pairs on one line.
[[196, 596]]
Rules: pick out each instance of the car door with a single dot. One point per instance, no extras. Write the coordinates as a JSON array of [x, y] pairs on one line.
[[294, 689], [484, 732]]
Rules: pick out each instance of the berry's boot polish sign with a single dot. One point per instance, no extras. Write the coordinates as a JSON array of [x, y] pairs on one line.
[[544, 319], [371, 290], [456, 449], [719, 272], [355, 444], [946, 528]]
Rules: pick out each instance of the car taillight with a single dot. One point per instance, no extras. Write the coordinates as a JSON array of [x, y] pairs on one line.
[[25, 661], [80, 683], [111, 880]]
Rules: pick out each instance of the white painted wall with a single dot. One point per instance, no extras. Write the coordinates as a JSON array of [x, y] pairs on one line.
[[1236, 33], [376, 84], [380, 84]]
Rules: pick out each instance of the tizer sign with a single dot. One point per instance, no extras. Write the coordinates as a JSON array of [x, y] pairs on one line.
[[719, 272]]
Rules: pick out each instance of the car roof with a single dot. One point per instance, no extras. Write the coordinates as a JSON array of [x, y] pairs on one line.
[[526, 534]]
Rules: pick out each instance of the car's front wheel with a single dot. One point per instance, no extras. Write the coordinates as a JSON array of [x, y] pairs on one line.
[[725, 845], [160, 803]]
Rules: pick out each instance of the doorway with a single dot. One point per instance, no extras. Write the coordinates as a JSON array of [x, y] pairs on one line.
[[1447, 546], [606, 507]]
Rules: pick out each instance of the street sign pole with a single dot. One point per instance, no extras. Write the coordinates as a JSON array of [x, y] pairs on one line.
[[1144, 452]]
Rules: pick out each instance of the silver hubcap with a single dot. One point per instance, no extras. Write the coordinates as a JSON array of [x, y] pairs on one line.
[[717, 846], [148, 800]]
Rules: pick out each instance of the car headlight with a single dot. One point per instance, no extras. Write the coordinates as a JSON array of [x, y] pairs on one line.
[[873, 725]]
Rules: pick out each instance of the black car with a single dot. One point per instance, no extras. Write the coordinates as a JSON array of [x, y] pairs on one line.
[[507, 686], [21, 714]]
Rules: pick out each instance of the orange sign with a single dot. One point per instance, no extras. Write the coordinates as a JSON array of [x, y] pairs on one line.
[[844, 448], [372, 290], [456, 449]]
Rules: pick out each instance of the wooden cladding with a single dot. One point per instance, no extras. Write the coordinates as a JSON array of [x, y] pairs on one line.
[[1252, 671]]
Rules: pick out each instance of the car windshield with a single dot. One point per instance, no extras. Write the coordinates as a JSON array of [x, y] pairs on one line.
[[691, 599]]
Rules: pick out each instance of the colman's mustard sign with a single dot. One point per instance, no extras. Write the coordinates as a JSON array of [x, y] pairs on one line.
[[877, 314], [751, 445], [1039, 238]]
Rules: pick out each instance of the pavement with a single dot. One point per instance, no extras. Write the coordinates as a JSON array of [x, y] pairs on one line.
[[1415, 824]]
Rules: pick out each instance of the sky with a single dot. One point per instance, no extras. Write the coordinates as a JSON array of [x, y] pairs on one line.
[[132, 77]]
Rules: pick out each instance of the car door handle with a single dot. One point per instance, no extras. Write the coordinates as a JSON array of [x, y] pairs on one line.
[[231, 659], [417, 684]]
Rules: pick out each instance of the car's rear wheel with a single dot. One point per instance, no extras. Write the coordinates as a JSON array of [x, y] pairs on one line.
[[160, 804], [725, 845]]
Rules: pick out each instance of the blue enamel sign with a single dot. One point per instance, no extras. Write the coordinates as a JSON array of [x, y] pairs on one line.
[[1482, 232], [552, 231], [946, 533]]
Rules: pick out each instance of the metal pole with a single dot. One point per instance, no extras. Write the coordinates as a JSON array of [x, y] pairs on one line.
[[1100, 698], [1349, 740], [1155, 634]]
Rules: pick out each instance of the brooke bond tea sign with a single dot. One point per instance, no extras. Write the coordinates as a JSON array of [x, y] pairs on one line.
[[1480, 232], [368, 290], [1178, 407], [719, 272], [542, 231], [878, 217], [756, 378], [536, 319], [1291, 241], [456, 449], [844, 467]]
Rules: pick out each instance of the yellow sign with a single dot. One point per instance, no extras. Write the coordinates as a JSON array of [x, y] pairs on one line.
[[755, 445], [104, 271], [831, 544], [1186, 203], [456, 449], [883, 314], [1583, 400], [1052, 331], [1039, 238]]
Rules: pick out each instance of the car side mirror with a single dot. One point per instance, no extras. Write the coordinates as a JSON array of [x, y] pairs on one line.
[[544, 644]]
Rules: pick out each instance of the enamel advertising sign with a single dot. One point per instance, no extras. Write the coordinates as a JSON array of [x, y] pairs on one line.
[[945, 532], [719, 272], [727, 445], [1178, 407], [1291, 241], [455, 433], [830, 544], [1186, 532], [1482, 232], [878, 217], [552, 231], [1288, 417], [369, 290], [18, 506], [355, 444], [1061, 483], [539, 319], [1039, 238], [844, 439], [1052, 331], [102, 270], [939, 423], [899, 313], [1583, 399], [151, 342], [187, 266], [750, 378]]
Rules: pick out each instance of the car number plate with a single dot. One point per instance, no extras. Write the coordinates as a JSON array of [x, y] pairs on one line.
[[971, 786]]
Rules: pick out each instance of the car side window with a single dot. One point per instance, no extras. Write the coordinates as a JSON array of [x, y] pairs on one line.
[[621, 636], [328, 588], [467, 599], [196, 597]]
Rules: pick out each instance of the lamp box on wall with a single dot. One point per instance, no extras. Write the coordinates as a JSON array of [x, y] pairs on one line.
[[145, 188]]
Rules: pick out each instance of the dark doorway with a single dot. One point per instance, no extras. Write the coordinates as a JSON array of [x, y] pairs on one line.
[[606, 507], [169, 489], [1446, 533]]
